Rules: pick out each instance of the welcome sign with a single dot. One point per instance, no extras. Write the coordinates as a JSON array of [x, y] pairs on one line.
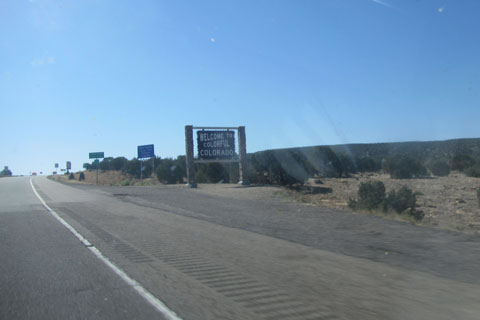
[[216, 145]]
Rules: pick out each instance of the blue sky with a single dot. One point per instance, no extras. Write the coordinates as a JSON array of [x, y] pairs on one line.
[[100, 75]]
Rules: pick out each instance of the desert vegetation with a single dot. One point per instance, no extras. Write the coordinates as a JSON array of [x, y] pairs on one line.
[[372, 196], [435, 183], [5, 173], [294, 166]]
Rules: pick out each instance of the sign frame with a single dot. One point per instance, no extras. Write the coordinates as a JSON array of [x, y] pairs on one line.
[[241, 157], [146, 151]]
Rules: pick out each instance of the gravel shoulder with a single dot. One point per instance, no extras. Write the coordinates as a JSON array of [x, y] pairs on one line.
[[267, 211]]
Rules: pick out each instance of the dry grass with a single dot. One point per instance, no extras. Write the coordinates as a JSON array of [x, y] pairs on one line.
[[107, 178]]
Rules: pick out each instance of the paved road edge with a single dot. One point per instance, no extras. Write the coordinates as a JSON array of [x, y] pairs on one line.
[[144, 293]]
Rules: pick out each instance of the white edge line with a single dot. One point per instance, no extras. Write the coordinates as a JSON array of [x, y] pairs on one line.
[[144, 293]]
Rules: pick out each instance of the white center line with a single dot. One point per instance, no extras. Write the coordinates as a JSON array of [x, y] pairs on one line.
[[144, 293]]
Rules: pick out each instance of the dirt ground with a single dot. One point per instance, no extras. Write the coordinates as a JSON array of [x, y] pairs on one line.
[[448, 202]]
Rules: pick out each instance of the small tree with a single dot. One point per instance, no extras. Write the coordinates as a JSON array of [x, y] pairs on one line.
[[133, 167], [119, 163], [461, 162], [473, 171], [405, 168], [367, 164], [282, 167], [440, 168], [6, 173], [326, 163], [105, 164], [347, 164]]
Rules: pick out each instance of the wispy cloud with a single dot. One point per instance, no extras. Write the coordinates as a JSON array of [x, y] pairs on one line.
[[382, 3], [38, 62]]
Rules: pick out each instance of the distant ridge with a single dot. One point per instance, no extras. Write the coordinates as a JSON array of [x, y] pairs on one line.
[[422, 150]]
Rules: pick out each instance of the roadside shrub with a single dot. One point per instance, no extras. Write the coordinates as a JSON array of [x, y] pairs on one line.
[[473, 171], [405, 168], [414, 213], [352, 204], [169, 171], [71, 176], [370, 196], [210, 173], [461, 162], [440, 168], [403, 201], [81, 176], [201, 176]]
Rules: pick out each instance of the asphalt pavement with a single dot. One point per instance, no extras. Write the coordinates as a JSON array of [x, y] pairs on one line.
[[214, 257], [46, 273]]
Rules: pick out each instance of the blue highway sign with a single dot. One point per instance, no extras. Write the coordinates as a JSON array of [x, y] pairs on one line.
[[145, 151]]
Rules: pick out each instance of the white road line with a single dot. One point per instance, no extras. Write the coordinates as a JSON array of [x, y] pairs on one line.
[[144, 293]]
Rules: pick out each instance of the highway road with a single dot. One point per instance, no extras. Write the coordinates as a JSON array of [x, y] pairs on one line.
[[177, 253]]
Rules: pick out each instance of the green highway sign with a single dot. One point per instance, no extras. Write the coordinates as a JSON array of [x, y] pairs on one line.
[[96, 155]]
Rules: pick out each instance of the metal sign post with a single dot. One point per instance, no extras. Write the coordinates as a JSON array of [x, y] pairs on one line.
[[96, 156], [145, 151]]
